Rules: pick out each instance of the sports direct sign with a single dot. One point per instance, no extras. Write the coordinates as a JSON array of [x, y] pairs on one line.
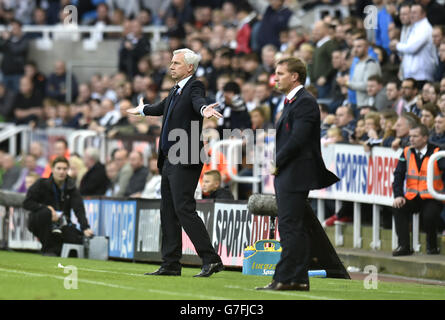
[[364, 176]]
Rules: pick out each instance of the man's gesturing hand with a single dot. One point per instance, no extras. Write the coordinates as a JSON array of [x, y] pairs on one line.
[[136, 111], [209, 111]]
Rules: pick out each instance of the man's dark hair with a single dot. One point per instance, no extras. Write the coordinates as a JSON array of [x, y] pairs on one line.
[[59, 159], [423, 129], [63, 140], [376, 78], [396, 82], [295, 65], [413, 81], [324, 107], [233, 87]]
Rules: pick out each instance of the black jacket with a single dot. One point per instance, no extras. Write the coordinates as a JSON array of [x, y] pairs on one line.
[[298, 152], [186, 115], [95, 181], [221, 193], [45, 192], [137, 181], [14, 52]]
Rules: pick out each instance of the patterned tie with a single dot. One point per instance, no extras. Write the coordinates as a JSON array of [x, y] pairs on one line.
[[165, 145], [286, 101]]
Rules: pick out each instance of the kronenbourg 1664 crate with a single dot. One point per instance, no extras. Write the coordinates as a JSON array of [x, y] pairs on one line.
[[261, 260]]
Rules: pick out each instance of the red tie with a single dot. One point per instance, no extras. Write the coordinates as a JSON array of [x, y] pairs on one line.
[[286, 101]]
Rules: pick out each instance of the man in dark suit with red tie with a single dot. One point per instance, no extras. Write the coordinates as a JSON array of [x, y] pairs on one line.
[[299, 167], [180, 165]]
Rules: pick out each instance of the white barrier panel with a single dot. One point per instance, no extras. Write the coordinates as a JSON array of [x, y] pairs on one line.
[[364, 177]]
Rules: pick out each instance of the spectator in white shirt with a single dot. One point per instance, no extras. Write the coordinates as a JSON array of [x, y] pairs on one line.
[[419, 61]]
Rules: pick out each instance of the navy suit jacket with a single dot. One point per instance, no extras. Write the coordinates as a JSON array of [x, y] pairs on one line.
[[298, 152]]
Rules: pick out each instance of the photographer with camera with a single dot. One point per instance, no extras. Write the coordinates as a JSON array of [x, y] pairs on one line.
[[50, 202]]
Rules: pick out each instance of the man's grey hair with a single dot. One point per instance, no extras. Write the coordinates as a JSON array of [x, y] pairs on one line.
[[93, 153], [190, 57]]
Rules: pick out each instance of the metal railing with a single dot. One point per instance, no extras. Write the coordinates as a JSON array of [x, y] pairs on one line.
[[73, 32]]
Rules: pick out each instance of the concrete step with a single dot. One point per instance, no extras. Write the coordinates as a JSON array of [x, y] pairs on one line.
[[385, 237], [418, 265], [415, 266]]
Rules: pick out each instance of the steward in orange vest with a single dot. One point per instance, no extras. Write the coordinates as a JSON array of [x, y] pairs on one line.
[[411, 173]]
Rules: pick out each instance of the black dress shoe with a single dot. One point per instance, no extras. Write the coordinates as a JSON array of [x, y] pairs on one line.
[[279, 286], [164, 272], [402, 251], [209, 269]]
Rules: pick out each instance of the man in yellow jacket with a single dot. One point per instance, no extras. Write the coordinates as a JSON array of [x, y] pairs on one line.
[[412, 169]]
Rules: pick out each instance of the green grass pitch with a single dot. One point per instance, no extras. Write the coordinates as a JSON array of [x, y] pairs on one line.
[[32, 276]]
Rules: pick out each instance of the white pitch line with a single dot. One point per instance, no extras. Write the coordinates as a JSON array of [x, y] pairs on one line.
[[107, 271], [286, 293], [34, 274]]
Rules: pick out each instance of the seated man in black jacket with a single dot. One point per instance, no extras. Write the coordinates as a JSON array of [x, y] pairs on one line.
[[211, 186], [140, 173], [50, 202], [95, 181]]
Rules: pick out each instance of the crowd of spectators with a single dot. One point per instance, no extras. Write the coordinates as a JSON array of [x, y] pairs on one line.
[[372, 84]]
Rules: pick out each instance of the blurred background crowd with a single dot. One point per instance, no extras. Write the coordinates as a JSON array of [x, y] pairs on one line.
[[375, 73]]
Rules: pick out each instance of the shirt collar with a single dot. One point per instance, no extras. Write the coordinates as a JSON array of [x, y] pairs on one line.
[[294, 92], [322, 41], [183, 82], [423, 150]]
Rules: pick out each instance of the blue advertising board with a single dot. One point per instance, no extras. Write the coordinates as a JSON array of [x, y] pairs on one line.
[[118, 222]]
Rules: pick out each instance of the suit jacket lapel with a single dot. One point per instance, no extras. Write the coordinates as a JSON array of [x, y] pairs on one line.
[[287, 108], [178, 98]]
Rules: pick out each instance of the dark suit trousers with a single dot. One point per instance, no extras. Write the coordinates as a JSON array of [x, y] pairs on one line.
[[294, 263], [40, 225], [178, 208], [429, 209]]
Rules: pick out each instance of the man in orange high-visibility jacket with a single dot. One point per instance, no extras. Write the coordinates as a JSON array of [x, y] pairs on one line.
[[412, 169]]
